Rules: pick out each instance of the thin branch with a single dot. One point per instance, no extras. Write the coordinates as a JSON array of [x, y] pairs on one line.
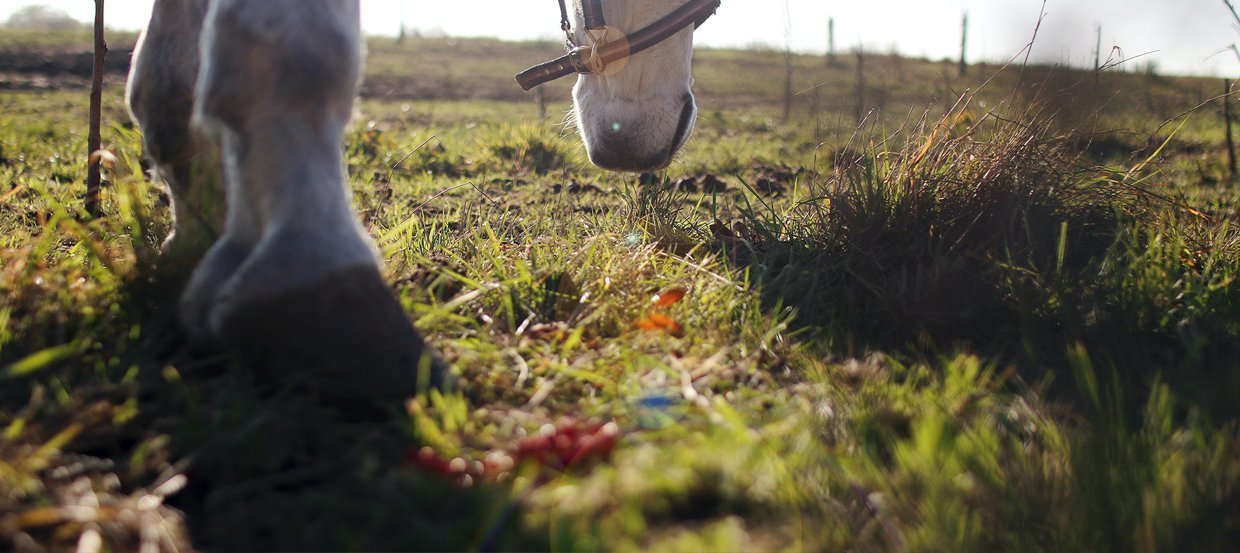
[[93, 140], [1232, 8]]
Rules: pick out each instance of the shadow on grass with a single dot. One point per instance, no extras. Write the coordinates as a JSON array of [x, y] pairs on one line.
[[277, 466], [177, 446], [994, 237]]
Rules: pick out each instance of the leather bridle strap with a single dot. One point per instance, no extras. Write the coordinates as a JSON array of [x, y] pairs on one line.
[[564, 23], [584, 59], [592, 12]]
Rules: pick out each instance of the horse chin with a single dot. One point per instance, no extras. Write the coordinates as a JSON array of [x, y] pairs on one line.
[[635, 135]]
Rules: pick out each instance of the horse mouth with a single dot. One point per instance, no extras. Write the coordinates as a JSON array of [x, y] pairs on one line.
[[616, 150], [684, 128]]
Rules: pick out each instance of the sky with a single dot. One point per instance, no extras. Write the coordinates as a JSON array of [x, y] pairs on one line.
[[1176, 36]]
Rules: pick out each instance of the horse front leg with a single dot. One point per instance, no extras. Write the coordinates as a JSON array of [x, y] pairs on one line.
[[294, 282], [160, 96]]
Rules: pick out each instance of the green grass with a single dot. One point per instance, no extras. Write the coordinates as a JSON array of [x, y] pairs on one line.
[[984, 326]]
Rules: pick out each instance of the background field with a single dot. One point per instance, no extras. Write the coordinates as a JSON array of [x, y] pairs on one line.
[[923, 311]]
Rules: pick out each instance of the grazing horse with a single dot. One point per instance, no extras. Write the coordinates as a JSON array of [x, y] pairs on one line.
[[243, 105]]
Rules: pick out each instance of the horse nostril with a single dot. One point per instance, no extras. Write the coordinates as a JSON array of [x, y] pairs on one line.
[[684, 127]]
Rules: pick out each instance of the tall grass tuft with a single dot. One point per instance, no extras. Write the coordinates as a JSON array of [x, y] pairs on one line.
[[529, 149], [940, 239]]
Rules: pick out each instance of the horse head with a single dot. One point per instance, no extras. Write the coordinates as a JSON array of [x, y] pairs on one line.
[[633, 101]]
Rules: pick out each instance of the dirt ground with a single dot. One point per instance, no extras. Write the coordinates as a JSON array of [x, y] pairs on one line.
[[391, 71], [58, 67]]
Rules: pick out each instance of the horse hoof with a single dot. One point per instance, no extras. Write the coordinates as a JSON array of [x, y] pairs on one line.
[[199, 297], [344, 334]]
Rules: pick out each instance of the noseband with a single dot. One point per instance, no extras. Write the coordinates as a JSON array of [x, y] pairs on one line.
[[594, 58]]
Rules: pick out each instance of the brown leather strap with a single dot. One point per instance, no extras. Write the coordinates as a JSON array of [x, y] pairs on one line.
[[592, 12], [694, 12], [546, 72], [564, 24]]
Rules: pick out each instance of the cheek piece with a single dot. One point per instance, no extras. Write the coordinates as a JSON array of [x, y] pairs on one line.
[[595, 57]]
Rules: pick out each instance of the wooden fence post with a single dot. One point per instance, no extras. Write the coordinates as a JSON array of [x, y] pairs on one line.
[[860, 108], [787, 61], [540, 94], [400, 35], [93, 141], [830, 41], [787, 83], [1098, 49], [964, 44], [1231, 147]]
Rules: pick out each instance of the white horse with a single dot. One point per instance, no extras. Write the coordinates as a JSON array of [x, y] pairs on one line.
[[243, 105]]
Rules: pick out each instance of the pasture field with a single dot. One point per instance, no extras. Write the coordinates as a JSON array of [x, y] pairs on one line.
[[998, 314]]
